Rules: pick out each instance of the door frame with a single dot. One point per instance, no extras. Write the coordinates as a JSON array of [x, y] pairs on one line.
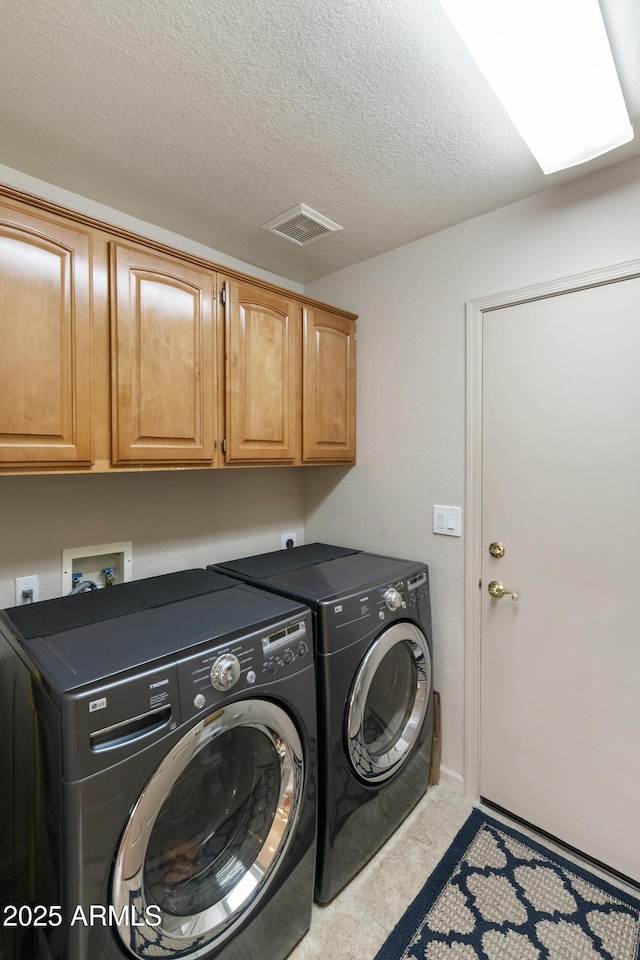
[[475, 310]]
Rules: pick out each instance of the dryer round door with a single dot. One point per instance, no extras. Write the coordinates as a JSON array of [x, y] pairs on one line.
[[204, 840], [389, 702]]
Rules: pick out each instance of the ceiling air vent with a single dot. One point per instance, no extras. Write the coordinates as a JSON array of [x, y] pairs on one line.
[[301, 225]]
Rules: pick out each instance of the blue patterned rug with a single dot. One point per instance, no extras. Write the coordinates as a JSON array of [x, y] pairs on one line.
[[497, 895]]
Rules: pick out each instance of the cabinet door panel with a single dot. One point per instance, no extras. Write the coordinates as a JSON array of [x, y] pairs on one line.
[[164, 373], [263, 374], [45, 341], [329, 402]]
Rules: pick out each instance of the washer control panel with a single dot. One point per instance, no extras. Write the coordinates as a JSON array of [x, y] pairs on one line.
[[225, 672], [282, 648], [237, 666]]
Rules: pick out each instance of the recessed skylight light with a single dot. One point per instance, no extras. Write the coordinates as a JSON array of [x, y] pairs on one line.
[[550, 65]]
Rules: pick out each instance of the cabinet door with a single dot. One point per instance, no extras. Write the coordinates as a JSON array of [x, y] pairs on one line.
[[329, 399], [163, 374], [45, 341], [263, 343]]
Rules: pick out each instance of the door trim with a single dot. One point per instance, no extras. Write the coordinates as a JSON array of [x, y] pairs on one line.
[[475, 310]]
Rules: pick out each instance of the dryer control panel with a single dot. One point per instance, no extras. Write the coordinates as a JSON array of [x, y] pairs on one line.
[[417, 588], [405, 595], [356, 615]]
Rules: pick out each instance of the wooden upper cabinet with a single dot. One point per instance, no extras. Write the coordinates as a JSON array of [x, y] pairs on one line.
[[45, 341], [263, 373], [163, 368], [329, 392], [118, 352]]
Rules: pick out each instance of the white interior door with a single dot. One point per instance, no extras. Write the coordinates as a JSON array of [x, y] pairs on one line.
[[560, 667]]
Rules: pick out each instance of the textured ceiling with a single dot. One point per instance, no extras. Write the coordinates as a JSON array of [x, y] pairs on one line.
[[210, 118]]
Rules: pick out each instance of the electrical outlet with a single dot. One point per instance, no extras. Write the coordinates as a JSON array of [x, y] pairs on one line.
[[288, 540], [27, 590]]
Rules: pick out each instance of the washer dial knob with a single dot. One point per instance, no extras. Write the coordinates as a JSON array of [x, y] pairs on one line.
[[225, 672], [393, 598]]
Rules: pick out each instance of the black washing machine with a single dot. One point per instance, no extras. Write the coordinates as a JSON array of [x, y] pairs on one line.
[[372, 623], [158, 779]]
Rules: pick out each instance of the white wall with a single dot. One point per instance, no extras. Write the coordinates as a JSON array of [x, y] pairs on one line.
[[411, 382]]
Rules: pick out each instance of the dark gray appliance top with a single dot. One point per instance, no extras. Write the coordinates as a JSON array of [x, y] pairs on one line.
[[264, 565], [328, 579], [65, 613], [97, 651]]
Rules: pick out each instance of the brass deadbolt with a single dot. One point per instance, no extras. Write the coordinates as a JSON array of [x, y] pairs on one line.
[[496, 549]]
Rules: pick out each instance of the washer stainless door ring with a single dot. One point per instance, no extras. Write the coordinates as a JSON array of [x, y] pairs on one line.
[[389, 701], [207, 834]]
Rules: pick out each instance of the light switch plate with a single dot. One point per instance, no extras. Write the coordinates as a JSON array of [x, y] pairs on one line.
[[447, 520]]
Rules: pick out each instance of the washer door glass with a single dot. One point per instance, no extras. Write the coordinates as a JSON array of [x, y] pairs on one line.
[[205, 838], [389, 702]]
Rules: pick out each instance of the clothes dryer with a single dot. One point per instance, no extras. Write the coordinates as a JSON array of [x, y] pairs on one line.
[[158, 777], [372, 623]]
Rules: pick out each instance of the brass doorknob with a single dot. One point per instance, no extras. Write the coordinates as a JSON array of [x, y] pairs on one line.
[[497, 589]]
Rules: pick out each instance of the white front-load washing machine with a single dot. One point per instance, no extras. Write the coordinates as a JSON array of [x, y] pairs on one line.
[[158, 774]]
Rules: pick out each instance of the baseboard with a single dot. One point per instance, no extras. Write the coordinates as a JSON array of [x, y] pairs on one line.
[[452, 779]]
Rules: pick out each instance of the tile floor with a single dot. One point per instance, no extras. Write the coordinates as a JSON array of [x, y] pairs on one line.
[[355, 925], [357, 922]]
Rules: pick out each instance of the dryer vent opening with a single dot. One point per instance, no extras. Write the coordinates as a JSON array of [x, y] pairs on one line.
[[301, 225]]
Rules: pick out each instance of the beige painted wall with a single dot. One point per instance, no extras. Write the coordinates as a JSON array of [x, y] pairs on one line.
[[411, 384], [176, 520]]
